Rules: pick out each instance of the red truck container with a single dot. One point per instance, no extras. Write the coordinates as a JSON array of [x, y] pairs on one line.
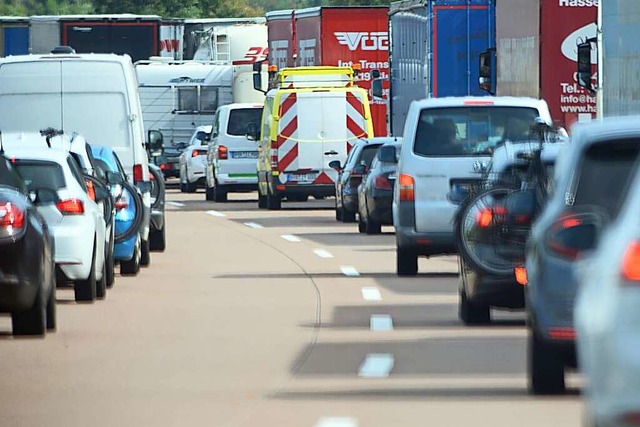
[[335, 36], [537, 53]]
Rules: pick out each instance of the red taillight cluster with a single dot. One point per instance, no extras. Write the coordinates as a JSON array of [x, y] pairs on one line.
[[406, 188], [196, 153], [166, 166], [11, 216], [557, 245], [382, 182], [631, 262], [223, 152], [137, 173], [70, 207]]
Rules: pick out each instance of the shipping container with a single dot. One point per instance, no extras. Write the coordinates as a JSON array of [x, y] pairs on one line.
[[347, 36], [14, 35], [135, 35], [435, 48], [536, 54], [172, 38], [282, 40]]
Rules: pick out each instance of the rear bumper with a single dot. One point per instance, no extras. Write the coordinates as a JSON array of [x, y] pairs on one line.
[[322, 190], [350, 202], [381, 210], [19, 276], [238, 180], [123, 251], [440, 243], [493, 290]]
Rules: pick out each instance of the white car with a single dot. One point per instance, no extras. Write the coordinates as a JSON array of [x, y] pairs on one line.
[[74, 219], [193, 160], [607, 318]]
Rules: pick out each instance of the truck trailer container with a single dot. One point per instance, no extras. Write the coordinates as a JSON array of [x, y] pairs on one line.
[[536, 54], [435, 48], [221, 39], [342, 36], [14, 35], [135, 35]]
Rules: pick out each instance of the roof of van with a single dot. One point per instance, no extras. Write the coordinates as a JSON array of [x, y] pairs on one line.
[[37, 142], [455, 101], [241, 105], [102, 57]]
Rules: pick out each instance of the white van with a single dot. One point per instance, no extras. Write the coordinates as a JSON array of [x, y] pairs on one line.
[[448, 142], [232, 157], [95, 95]]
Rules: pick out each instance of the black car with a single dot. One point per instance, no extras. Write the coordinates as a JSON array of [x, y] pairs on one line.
[[362, 153], [27, 267], [169, 160], [375, 194]]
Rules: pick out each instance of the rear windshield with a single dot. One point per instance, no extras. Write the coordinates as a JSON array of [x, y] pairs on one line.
[[604, 174], [40, 174], [240, 118], [368, 153], [469, 131]]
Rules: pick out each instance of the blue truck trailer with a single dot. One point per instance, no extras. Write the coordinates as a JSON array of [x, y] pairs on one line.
[[435, 48], [14, 36]]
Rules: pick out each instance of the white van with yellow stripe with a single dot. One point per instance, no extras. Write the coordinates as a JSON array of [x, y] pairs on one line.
[[313, 116]]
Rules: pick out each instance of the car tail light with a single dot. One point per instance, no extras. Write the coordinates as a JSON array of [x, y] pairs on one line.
[[487, 216], [568, 237], [166, 166], [91, 190], [562, 333], [521, 275], [382, 182], [196, 153], [11, 216], [631, 262], [70, 207], [406, 187], [274, 161], [137, 173], [223, 152]]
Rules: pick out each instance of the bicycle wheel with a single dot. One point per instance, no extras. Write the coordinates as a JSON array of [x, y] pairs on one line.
[[488, 238]]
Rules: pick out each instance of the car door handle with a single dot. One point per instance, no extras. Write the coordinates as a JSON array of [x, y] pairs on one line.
[[331, 153]]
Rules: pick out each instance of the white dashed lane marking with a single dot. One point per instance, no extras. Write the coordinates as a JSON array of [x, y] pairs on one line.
[[290, 238], [381, 322], [336, 422], [323, 253], [347, 270], [371, 294], [178, 204], [216, 213], [253, 225], [377, 365]]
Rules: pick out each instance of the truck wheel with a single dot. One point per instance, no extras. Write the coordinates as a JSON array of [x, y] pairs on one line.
[[274, 202], [546, 367], [473, 313], [32, 321], [372, 227], [157, 240], [85, 290], [406, 262], [219, 194]]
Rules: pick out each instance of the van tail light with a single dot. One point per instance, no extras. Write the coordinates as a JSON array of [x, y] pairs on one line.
[[382, 183], [406, 187], [70, 207], [631, 264], [137, 173], [223, 152], [11, 216], [91, 190]]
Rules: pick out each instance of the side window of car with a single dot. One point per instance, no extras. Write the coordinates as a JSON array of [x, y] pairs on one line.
[[75, 171]]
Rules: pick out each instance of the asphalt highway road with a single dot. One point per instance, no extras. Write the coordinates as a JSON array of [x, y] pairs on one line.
[[264, 318]]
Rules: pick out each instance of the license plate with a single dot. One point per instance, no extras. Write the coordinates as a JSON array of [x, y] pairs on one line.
[[244, 154], [301, 177]]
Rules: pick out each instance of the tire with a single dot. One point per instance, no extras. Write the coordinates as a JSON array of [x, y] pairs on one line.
[[32, 321], [158, 240], [110, 268], [208, 191], [183, 187], [132, 267], [145, 254], [372, 227], [262, 201], [52, 307], [219, 195], [545, 366], [406, 262], [339, 213], [85, 290], [472, 313], [348, 216], [274, 203], [190, 187], [362, 227], [101, 285]]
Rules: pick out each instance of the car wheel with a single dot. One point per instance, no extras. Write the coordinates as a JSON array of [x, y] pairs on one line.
[[145, 253], [32, 321], [208, 191], [546, 367], [132, 267], [348, 216], [190, 187], [274, 202], [362, 227], [219, 195], [52, 306], [183, 187], [472, 313], [262, 201], [111, 273], [372, 227], [157, 240], [406, 262], [101, 285], [85, 290], [339, 213]]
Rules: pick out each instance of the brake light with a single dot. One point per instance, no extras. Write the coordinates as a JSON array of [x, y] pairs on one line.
[[91, 190], [406, 187], [11, 216], [485, 217], [631, 262], [382, 182], [565, 242], [71, 207], [223, 152], [166, 166], [521, 275], [477, 102], [562, 333], [196, 153], [137, 173]]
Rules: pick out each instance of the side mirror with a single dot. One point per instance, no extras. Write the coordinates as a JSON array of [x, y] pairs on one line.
[[335, 164], [584, 65], [114, 178], [377, 89], [257, 78], [486, 71], [387, 154], [102, 194], [154, 145], [202, 136], [360, 169], [253, 133]]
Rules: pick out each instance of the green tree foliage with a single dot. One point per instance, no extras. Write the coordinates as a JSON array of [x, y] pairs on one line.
[[45, 7]]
